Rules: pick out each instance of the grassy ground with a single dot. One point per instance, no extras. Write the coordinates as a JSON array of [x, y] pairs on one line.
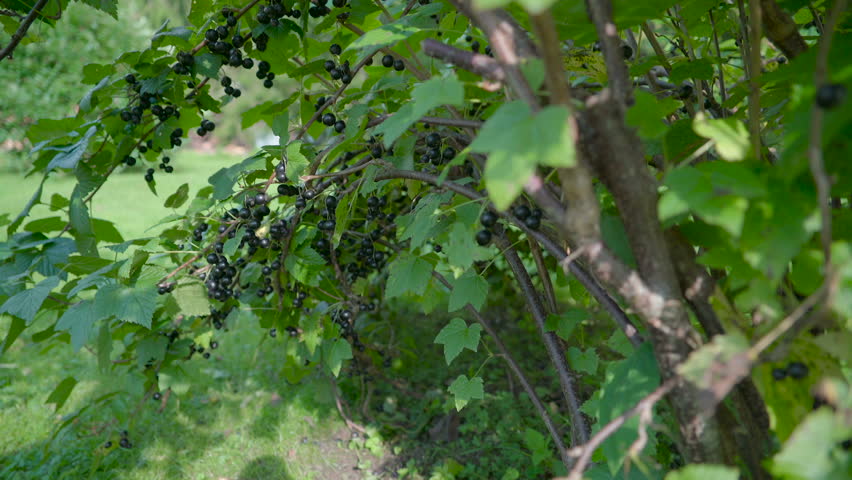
[[240, 420], [124, 199]]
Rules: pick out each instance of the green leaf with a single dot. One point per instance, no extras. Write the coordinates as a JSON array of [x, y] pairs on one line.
[[424, 97], [704, 472], [70, 155], [337, 352], [583, 361], [127, 304], [729, 135], [60, 394], [408, 275], [151, 349], [648, 112], [175, 378], [812, 452], [178, 198], [464, 390], [565, 323], [457, 336], [223, 181], [15, 329], [537, 443], [108, 6], [35, 199], [79, 321], [192, 299], [90, 99], [83, 234], [700, 68], [208, 64], [469, 288], [517, 142], [198, 11], [296, 162], [627, 382], [25, 305]]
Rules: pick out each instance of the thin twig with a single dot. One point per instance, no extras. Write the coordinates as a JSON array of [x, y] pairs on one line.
[[755, 29], [723, 93], [522, 378], [823, 183], [22, 29]]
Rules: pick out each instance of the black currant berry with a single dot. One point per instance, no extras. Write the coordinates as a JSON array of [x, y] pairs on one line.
[[339, 126], [449, 153], [433, 140], [331, 202], [532, 222], [329, 65], [108, 445], [779, 373], [211, 35], [335, 49], [488, 218], [329, 119], [475, 46], [273, 332], [483, 237], [376, 151], [797, 370], [399, 65], [125, 443], [830, 95], [157, 396], [130, 78], [521, 211], [387, 61], [437, 248]]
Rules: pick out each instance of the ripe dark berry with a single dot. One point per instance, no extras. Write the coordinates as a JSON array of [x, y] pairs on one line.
[[488, 218], [273, 332], [206, 355], [248, 63], [376, 151], [157, 396], [263, 66], [214, 345], [521, 211], [130, 78], [300, 203], [373, 202], [335, 49], [261, 198], [331, 202], [236, 93], [437, 248], [329, 65], [433, 140], [222, 30], [226, 81], [125, 443], [387, 61], [211, 35], [130, 161], [449, 153], [475, 46], [830, 95], [684, 92], [532, 222], [797, 370], [268, 83], [627, 51], [336, 74], [339, 126], [329, 119], [483, 237], [399, 65], [310, 194], [779, 373], [108, 445]]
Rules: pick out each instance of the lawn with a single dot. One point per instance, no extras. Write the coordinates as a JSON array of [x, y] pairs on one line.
[[125, 199]]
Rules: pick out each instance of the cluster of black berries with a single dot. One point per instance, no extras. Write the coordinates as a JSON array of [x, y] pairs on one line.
[[474, 45], [206, 126], [488, 219], [133, 115], [166, 288], [264, 74], [272, 13], [329, 119], [340, 72], [433, 151], [217, 317], [124, 442], [220, 279], [185, 62], [794, 370], [389, 62], [346, 320], [530, 217], [193, 349], [164, 165]]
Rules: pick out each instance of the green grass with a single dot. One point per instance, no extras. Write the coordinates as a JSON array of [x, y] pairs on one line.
[[125, 199], [240, 419]]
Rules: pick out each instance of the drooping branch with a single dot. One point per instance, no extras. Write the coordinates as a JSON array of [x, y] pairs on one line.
[[482, 65], [579, 427], [22, 29]]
